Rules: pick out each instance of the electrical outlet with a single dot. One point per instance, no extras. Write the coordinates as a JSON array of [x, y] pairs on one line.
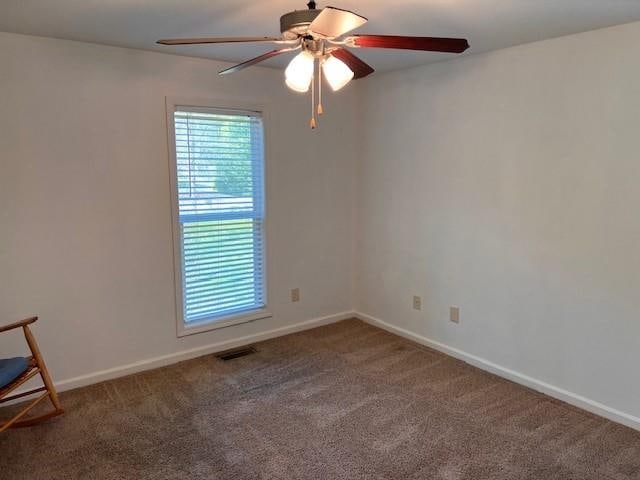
[[417, 302], [454, 314], [295, 295]]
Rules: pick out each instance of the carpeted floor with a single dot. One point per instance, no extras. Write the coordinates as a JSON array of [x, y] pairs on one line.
[[345, 401]]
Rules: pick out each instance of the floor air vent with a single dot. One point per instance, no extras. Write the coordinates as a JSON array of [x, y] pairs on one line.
[[236, 353]]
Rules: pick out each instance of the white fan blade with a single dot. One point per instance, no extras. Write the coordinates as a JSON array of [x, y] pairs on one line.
[[333, 22]]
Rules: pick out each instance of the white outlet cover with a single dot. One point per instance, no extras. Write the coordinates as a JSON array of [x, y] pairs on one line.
[[417, 302], [295, 295], [454, 314]]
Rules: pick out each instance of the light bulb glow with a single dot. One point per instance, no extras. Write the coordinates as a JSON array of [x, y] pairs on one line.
[[336, 72], [299, 73]]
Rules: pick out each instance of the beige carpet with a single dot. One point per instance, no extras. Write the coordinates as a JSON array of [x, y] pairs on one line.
[[345, 401]]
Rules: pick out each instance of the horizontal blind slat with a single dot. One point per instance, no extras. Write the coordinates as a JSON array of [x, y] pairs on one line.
[[221, 294], [247, 298], [198, 291], [217, 292], [219, 279], [236, 298]]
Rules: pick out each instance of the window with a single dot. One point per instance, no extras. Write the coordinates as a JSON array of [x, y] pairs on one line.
[[218, 185]]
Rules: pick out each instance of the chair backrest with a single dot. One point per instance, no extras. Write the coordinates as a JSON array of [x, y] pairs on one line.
[[21, 323]]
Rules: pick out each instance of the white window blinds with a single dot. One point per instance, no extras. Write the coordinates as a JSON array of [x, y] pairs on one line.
[[220, 186]]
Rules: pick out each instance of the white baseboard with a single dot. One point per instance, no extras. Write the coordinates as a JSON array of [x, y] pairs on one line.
[[538, 385], [156, 362]]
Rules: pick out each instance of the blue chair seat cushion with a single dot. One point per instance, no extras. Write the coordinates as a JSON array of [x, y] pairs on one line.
[[12, 368]]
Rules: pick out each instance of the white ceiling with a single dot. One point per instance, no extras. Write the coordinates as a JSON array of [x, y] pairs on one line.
[[487, 24]]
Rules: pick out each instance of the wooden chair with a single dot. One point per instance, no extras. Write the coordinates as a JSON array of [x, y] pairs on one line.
[[16, 371]]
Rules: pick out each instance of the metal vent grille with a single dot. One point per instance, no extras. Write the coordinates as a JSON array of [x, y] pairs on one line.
[[236, 353]]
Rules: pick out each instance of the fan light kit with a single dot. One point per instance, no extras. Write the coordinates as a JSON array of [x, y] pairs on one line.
[[319, 35]]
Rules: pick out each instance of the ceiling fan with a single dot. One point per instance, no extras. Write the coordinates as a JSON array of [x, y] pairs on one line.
[[319, 35]]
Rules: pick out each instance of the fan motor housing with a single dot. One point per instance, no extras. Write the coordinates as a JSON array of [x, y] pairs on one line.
[[296, 23]]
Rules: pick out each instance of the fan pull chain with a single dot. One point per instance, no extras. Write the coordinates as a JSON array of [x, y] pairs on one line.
[[320, 109], [312, 123]]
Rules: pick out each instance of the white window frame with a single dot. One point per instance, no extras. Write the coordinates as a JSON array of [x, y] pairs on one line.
[[224, 106]]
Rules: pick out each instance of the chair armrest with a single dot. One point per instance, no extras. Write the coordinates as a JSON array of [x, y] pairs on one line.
[[22, 323]]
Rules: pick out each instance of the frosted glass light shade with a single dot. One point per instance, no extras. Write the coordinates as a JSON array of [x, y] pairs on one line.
[[336, 72], [299, 73]]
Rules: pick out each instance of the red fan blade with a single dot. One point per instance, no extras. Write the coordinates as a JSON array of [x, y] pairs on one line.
[[333, 22], [359, 68], [253, 61], [197, 41], [429, 44]]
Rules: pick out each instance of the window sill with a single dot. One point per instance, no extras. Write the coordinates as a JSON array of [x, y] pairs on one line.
[[222, 322]]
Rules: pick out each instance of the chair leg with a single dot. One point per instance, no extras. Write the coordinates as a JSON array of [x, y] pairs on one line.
[[32, 421], [13, 421], [44, 373]]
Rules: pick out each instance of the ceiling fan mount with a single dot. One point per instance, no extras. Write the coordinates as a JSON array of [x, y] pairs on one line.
[[320, 35]]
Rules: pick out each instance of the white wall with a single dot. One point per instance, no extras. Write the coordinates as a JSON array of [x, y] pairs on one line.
[[508, 183], [85, 222]]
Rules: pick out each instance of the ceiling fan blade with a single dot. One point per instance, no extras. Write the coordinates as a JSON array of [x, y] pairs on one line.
[[197, 41], [333, 22], [360, 69], [253, 61], [429, 44]]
